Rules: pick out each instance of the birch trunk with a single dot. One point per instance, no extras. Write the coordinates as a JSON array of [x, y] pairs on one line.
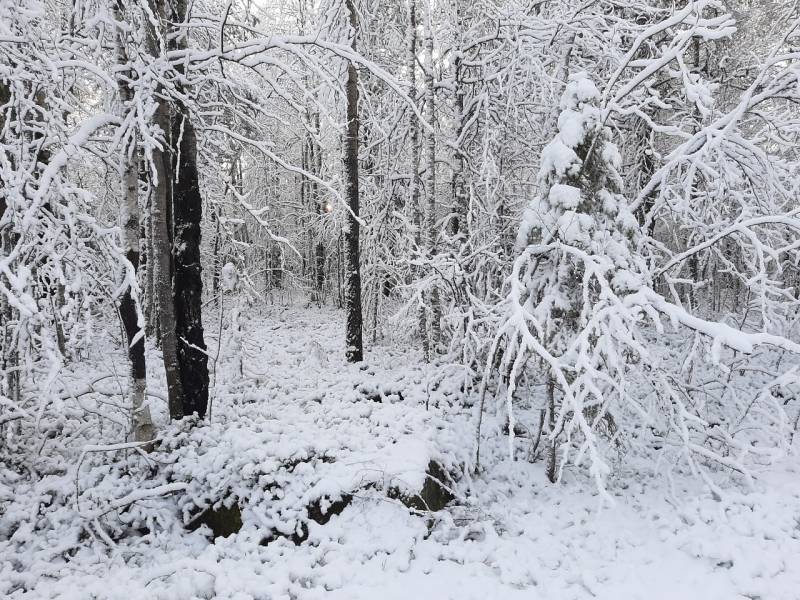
[[430, 216], [416, 205], [130, 308]]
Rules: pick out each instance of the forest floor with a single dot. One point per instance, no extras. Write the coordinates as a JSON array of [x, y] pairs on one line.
[[296, 417]]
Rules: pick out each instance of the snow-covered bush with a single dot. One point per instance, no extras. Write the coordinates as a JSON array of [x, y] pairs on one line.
[[580, 316]]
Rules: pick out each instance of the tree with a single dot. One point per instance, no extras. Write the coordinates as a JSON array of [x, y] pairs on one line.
[[575, 246], [161, 169], [431, 221], [187, 214], [353, 336], [130, 306]]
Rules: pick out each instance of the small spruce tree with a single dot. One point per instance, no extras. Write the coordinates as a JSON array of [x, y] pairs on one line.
[[574, 245]]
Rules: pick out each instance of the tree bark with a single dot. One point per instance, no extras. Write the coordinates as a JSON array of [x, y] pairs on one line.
[[552, 445], [150, 313], [130, 308], [319, 248], [430, 216], [162, 237], [7, 312], [353, 334], [162, 248], [188, 282], [457, 224], [416, 206]]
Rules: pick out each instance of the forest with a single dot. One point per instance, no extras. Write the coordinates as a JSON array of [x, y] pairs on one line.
[[398, 299]]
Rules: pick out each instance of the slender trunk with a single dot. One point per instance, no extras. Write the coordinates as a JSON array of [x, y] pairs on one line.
[[430, 216], [319, 258], [154, 268], [339, 273], [304, 203], [130, 309], [375, 311], [57, 302], [552, 448], [319, 249], [267, 271], [215, 259], [150, 313], [353, 336], [416, 205], [458, 215], [647, 167], [7, 312]]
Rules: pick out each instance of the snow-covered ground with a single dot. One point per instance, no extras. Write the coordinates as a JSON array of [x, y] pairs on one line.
[[300, 427]]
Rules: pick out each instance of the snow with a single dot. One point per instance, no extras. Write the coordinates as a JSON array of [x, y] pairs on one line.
[[581, 88], [565, 196], [228, 276], [639, 345], [321, 428], [559, 158]]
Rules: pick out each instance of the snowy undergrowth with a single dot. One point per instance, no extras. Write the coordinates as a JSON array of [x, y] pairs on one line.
[[301, 426]]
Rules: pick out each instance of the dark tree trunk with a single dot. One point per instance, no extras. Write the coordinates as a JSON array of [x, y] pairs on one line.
[[319, 252], [161, 227], [187, 285], [150, 312], [319, 247], [353, 336], [552, 448], [458, 217], [162, 249], [188, 282], [215, 259], [647, 166]]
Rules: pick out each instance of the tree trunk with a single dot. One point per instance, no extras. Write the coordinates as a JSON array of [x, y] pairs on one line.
[[216, 261], [130, 309], [7, 312], [161, 220], [162, 248], [188, 282], [457, 224], [305, 219], [430, 216], [319, 249], [416, 205], [150, 312], [552, 447], [353, 335]]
